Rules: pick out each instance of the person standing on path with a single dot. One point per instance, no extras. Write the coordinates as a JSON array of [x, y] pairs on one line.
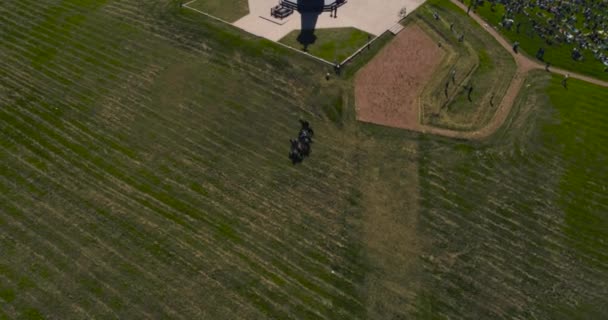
[[515, 46], [565, 81], [453, 76], [469, 94]]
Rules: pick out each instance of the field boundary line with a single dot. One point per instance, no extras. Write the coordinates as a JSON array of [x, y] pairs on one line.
[[366, 45], [186, 5], [369, 43], [305, 53]]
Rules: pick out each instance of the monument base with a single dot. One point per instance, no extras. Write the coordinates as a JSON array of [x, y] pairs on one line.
[[312, 5]]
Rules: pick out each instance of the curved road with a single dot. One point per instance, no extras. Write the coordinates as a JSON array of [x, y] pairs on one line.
[[524, 65]]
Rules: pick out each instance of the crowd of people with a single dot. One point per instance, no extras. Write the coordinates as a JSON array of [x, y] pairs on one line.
[[580, 23]]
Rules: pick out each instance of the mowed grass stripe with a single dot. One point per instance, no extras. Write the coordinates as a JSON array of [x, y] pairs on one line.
[[61, 243], [523, 248], [144, 240], [10, 307], [32, 40], [468, 229], [50, 252], [82, 134], [543, 264], [72, 135], [94, 38], [96, 46], [110, 236], [134, 228]]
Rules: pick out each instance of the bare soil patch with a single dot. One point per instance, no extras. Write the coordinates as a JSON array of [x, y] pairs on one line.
[[387, 89]]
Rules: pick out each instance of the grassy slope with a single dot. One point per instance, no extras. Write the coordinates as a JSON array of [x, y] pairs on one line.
[[230, 11], [557, 55], [490, 74], [331, 44], [143, 174], [519, 221], [144, 170], [584, 194]]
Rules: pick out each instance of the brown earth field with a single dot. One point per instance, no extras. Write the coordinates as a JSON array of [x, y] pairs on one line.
[[387, 89]]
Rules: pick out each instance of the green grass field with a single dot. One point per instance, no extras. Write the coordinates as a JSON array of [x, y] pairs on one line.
[[557, 54], [520, 220], [331, 44], [229, 11], [144, 174]]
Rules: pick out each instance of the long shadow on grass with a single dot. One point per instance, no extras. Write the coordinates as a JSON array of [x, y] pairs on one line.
[[310, 10]]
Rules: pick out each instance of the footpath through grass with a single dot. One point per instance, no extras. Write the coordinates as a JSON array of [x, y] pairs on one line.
[[558, 55], [334, 44], [479, 61], [521, 220]]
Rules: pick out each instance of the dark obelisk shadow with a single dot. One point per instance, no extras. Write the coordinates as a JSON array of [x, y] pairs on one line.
[[310, 10]]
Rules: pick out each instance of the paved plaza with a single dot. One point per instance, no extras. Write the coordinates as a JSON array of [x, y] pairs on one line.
[[372, 16]]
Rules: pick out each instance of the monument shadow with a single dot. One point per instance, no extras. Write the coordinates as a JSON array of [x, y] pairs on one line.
[[310, 10]]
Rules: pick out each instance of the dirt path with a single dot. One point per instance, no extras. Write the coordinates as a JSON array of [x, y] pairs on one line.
[[524, 65], [387, 88]]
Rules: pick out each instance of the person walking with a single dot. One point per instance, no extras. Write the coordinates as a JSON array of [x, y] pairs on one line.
[[540, 54], [565, 81], [515, 46]]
